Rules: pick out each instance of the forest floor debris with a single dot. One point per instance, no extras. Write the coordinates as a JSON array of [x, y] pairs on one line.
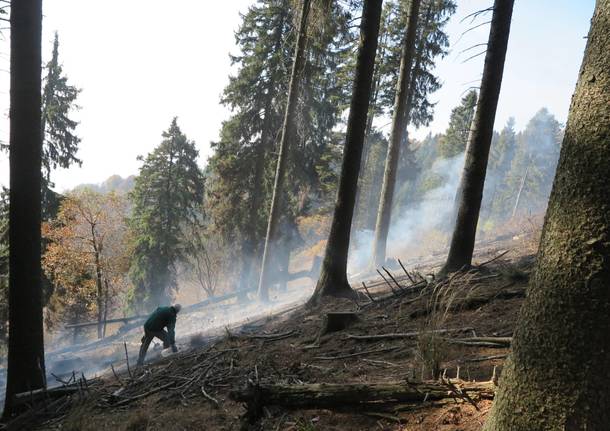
[[383, 346]]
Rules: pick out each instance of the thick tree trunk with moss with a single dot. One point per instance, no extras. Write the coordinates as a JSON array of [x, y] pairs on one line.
[[287, 134], [26, 369], [400, 121], [557, 377], [333, 276]]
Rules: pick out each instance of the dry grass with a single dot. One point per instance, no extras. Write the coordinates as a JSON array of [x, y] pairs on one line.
[[444, 297]]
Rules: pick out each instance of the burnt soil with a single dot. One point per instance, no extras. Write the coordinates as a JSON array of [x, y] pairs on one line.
[[190, 390]]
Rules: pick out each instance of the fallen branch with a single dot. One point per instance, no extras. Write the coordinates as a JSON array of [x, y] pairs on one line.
[[351, 355], [483, 341], [368, 293], [406, 272], [493, 260], [392, 277], [209, 397], [399, 335], [484, 358], [278, 335]]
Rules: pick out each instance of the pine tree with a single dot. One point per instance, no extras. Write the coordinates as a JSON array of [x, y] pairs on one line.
[[454, 141], [555, 378], [167, 196]]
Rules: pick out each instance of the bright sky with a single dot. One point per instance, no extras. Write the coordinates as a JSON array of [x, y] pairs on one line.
[[140, 63]]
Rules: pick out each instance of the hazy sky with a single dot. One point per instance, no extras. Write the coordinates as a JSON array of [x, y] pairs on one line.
[[139, 63]]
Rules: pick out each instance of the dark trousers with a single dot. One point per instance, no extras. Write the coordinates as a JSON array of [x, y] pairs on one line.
[[147, 338]]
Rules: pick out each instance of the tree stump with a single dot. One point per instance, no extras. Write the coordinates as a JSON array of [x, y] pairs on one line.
[[337, 321]]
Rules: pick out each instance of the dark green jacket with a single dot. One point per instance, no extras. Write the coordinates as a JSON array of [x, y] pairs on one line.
[[160, 318]]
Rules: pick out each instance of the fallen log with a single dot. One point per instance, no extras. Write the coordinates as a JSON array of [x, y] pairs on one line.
[[39, 394], [341, 396], [51, 393]]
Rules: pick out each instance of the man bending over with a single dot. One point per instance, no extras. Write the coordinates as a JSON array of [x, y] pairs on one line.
[[162, 317]]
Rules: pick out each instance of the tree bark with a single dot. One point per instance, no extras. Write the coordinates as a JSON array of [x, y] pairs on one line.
[[26, 368], [287, 134], [556, 377], [400, 120], [333, 276], [477, 150]]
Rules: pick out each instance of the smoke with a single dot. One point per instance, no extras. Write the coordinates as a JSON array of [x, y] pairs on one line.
[[412, 223]]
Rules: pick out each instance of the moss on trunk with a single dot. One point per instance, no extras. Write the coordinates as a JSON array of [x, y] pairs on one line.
[[557, 376]]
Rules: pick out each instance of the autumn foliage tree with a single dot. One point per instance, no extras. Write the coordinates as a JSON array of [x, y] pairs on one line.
[[87, 258]]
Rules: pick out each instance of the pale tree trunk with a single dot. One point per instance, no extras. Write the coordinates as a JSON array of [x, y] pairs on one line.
[[477, 150], [106, 300], [521, 186], [398, 134], [288, 129], [251, 247], [26, 368], [556, 377], [333, 276], [98, 282]]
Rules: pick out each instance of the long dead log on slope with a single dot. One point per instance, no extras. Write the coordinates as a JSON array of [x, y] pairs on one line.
[[372, 396]]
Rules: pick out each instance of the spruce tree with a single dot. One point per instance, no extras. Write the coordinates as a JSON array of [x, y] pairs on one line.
[[242, 167], [166, 199], [60, 143]]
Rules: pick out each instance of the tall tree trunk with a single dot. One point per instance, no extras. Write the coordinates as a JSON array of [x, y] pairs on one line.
[[106, 298], [400, 121], [26, 369], [333, 276], [369, 127], [251, 247], [556, 377], [477, 150], [98, 283], [287, 134]]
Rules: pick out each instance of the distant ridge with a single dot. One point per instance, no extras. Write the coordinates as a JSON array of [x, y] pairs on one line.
[[114, 183]]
